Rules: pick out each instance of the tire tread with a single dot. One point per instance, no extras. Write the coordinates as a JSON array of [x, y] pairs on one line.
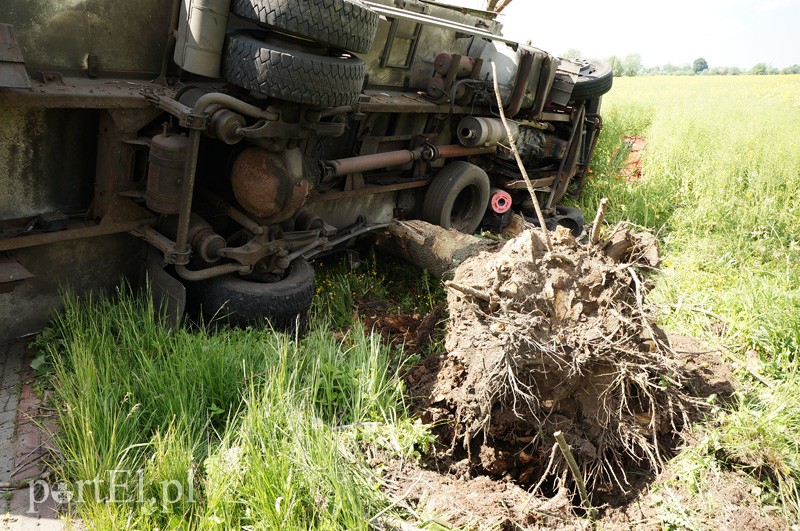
[[346, 24], [290, 75]]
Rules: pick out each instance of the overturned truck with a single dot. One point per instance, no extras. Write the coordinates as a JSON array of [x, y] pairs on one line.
[[214, 147]]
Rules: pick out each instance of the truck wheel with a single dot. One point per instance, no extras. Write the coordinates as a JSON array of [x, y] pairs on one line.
[[457, 198], [594, 79], [346, 24], [242, 302], [279, 71]]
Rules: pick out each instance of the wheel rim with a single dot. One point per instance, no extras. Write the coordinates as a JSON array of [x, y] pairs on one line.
[[465, 208]]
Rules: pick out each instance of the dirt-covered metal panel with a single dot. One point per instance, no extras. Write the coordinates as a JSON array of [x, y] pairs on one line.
[[47, 161], [431, 42], [124, 35], [82, 266]]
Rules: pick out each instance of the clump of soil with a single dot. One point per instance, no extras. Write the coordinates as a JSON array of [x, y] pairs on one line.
[[413, 331], [540, 342]]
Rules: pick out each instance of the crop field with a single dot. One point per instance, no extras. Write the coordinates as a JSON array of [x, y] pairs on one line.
[[721, 185], [218, 429]]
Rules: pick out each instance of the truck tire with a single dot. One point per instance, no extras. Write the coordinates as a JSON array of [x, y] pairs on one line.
[[457, 198], [278, 71], [594, 79], [241, 302], [346, 24]]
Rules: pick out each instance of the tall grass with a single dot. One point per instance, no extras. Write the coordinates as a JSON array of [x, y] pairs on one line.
[[234, 429], [721, 184], [721, 180]]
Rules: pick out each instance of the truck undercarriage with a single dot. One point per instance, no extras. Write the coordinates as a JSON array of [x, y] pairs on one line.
[[219, 145]]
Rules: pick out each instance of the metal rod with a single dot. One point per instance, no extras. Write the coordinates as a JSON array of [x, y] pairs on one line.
[[154, 238], [102, 229], [374, 161], [429, 20], [183, 251], [232, 212], [454, 150], [571, 152], [388, 159], [211, 272], [598, 125]]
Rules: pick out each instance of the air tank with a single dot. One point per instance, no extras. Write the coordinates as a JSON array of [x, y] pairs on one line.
[[168, 154]]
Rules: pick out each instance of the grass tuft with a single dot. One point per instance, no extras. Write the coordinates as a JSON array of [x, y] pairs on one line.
[[226, 430]]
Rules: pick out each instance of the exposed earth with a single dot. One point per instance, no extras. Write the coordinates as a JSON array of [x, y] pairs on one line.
[[535, 342], [539, 342]]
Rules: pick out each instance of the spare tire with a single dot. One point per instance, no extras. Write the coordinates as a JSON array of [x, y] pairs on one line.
[[241, 302], [594, 79], [277, 70], [346, 24], [457, 197]]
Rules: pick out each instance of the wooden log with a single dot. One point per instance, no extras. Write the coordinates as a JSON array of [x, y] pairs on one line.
[[431, 247]]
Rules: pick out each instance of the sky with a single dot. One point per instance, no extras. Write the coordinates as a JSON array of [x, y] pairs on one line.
[[737, 33]]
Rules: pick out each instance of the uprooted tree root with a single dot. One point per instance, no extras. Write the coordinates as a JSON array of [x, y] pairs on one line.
[[541, 342]]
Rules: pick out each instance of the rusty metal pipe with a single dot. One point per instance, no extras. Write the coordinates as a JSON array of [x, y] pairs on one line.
[[211, 272], [454, 150], [388, 159], [375, 161], [515, 104]]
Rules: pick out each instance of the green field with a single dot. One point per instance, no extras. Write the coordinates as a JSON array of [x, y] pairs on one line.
[[721, 185], [721, 180], [269, 431]]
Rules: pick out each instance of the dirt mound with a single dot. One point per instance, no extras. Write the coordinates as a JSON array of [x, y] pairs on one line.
[[541, 342]]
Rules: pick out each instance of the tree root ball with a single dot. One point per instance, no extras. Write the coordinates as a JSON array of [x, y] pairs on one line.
[[540, 342]]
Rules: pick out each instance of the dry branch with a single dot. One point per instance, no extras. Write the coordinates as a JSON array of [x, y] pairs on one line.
[[576, 472], [598, 221], [515, 151]]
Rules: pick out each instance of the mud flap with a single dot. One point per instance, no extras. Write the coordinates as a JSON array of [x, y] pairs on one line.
[[169, 295], [12, 273]]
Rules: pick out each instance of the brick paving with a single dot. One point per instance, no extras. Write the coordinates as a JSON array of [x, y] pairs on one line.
[[22, 445]]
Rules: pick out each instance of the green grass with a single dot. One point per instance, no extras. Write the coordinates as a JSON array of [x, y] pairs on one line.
[[721, 184], [391, 280], [224, 430]]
